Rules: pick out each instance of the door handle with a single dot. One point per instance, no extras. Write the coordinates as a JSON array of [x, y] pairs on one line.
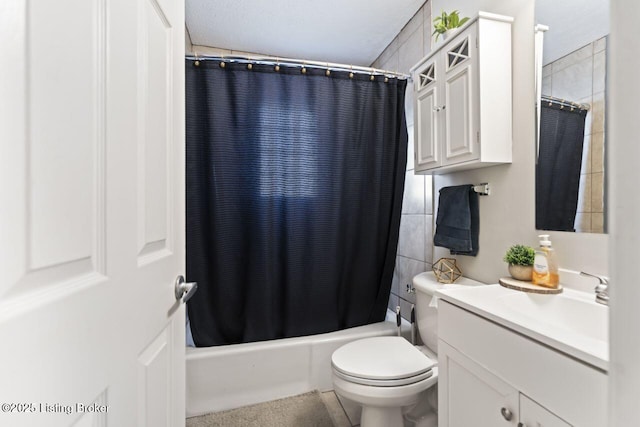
[[185, 290]]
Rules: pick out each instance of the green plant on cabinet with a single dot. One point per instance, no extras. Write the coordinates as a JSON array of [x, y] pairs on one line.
[[447, 21]]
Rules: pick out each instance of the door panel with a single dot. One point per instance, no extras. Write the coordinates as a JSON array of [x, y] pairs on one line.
[[62, 209], [154, 380], [427, 129], [57, 220], [461, 97], [459, 144], [427, 115], [155, 139], [91, 212]]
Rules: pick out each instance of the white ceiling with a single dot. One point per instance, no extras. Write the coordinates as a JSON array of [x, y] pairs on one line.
[[342, 31], [572, 25]]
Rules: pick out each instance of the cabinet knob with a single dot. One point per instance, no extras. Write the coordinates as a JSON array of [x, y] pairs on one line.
[[521, 425], [506, 413], [436, 109]]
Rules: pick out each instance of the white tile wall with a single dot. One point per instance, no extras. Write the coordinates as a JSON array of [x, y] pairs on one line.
[[410, 148], [411, 243], [407, 268], [574, 81], [597, 152], [599, 71], [187, 41], [415, 246], [413, 201], [411, 50]]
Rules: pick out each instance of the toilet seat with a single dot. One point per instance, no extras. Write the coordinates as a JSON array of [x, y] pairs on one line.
[[383, 383], [381, 362]]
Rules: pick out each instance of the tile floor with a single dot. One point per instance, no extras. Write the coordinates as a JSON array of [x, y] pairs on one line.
[[337, 412]]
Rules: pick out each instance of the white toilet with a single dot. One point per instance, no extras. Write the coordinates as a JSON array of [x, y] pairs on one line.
[[386, 374]]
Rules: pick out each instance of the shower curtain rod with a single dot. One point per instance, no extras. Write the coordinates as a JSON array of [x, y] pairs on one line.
[[564, 103], [299, 63]]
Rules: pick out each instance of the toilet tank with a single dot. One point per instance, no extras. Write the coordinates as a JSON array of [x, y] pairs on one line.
[[425, 285]]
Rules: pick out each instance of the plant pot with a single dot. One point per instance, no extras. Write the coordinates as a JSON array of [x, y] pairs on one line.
[[521, 272], [449, 33]]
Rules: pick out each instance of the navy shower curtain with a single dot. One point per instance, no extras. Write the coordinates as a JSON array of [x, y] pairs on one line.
[[294, 193], [558, 167]]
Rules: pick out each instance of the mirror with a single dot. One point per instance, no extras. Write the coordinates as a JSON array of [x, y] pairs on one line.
[[571, 139]]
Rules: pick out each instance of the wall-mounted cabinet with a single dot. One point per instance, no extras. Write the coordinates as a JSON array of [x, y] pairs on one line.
[[462, 99]]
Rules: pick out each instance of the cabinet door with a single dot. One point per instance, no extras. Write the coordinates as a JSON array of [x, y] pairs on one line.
[[469, 395], [427, 109], [461, 137], [534, 415]]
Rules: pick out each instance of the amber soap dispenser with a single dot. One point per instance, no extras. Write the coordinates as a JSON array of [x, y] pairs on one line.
[[545, 265]]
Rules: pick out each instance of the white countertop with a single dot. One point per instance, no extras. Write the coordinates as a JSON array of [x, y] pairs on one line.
[[570, 322]]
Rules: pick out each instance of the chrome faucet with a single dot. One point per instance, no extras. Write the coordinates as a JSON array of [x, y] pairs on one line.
[[602, 290]]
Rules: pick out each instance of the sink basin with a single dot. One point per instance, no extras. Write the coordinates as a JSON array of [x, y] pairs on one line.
[[570, 322], [569, 311]]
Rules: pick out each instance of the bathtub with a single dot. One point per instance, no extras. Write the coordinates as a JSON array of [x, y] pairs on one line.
[[227, 377]]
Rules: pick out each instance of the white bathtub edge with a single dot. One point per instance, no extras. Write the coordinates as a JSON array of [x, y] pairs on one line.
[[221, 378]]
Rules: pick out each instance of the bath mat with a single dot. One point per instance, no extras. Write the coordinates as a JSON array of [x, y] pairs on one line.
[[304, 410]]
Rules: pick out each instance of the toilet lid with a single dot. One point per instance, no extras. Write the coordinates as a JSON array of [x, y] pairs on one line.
[[381, 358]]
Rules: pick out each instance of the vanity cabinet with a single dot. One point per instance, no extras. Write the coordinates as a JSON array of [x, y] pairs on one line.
[[491, 376], [462, 99]]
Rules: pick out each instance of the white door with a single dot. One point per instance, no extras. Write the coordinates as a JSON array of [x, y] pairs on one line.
[[461, 142], [91, 212]]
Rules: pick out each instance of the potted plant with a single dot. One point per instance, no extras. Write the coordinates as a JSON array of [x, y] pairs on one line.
[[520, 259], [445, 24]]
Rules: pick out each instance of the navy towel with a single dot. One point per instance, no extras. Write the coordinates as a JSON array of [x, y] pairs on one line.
[[458, 220]]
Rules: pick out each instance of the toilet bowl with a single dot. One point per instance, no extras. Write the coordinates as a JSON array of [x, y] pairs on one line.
[[387, 375], [383, 375]]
